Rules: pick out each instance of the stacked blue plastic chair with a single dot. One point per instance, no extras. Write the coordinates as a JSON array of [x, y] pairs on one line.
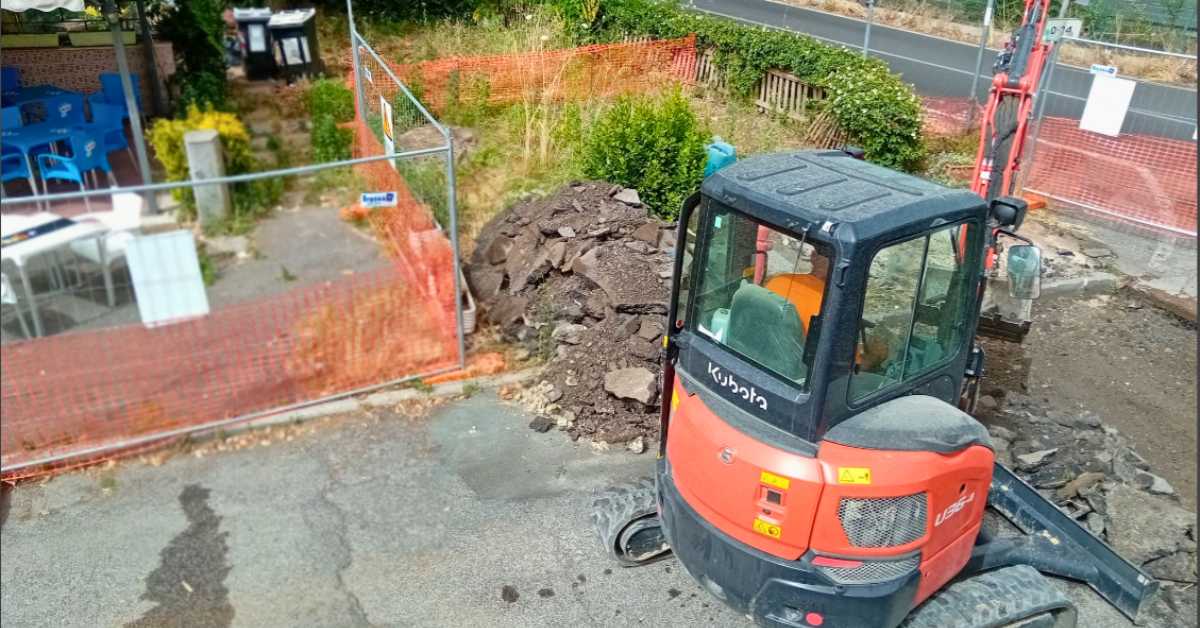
[[107, 125], [87, 154], [65, 109], [10, 83], [114, 93]]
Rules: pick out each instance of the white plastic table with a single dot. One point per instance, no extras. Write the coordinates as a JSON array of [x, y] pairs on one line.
[[19, 253]]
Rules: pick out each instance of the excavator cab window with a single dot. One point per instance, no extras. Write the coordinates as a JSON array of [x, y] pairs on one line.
[[915, 310], [759, 291]]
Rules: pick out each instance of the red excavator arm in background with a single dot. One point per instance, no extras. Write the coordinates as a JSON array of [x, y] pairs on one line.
[[1018, 71]]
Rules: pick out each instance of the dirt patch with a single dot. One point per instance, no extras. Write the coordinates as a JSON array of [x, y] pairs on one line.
[[580, 279], [1119, 358]]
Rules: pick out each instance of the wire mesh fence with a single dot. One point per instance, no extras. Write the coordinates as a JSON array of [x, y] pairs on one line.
[[317, 300], [1144, 175]]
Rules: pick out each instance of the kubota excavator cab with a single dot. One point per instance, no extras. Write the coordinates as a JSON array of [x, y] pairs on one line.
[[823, 321], [814, 467]]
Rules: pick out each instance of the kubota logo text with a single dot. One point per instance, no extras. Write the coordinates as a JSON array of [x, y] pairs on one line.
[[726, 380], [953, 509]]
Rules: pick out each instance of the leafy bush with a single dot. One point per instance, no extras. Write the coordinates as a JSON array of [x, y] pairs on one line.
[[329, 97], [871, 105], [330, 102], [654, 146], [250, 199], [197, 29], [329, 141]]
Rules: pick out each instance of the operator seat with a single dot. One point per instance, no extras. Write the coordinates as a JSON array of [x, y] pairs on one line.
[[805, 291], [765, 327]]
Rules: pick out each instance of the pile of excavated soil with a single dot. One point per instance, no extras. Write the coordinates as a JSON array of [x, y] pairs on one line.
[[581, 278]]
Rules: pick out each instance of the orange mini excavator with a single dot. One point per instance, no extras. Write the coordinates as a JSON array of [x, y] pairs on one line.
[[817, 462]]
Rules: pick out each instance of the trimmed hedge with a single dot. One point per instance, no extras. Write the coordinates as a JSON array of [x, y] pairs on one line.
[[877, 111], [653, 145]]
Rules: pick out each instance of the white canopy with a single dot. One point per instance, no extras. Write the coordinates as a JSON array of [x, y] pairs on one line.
[[41, 5]]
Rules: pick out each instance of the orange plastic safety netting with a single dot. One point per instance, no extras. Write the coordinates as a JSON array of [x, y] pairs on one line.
[[594, 71], [1143, 179], [80, 391], [87, 396], [1138, 178], [949, 116]]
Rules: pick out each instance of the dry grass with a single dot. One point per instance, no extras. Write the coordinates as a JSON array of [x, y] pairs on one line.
[[927, 17]]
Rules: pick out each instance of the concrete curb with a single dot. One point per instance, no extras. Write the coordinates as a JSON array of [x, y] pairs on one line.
[[1180, 305], [374, 400], [1093, 283]]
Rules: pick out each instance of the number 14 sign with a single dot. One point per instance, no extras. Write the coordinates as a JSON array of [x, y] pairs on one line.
[[1057, 28]]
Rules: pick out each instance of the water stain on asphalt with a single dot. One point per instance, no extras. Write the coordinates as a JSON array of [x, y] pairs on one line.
[[509, 594], [188, 584], [547, 592]]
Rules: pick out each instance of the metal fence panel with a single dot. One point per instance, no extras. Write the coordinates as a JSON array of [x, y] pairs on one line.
[[1146, 175], [324, 301]]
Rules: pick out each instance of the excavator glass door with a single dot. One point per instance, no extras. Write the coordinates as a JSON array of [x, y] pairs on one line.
[[759, 292], [915, 311]]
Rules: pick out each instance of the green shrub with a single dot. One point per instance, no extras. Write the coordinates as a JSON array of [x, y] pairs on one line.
[[250, 199], [329, 97], [197, 28], [874, 108], [329, 141], [654, 146]]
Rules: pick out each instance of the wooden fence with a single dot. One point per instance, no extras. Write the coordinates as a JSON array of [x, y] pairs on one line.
[[777, 91]]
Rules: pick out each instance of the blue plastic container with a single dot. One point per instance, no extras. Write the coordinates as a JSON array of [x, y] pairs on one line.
[[720, 154]]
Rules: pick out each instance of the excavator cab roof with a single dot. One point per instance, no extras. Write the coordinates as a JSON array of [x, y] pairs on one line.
[[845, 198]]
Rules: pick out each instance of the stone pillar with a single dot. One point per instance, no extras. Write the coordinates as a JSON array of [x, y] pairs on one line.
[[205, 161]]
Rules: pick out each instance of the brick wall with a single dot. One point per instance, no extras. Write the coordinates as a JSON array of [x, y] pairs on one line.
[[79, 69]]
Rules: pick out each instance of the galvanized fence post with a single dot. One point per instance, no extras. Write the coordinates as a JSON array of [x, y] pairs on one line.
[[452, 209], [867, 32], [983, 41], [358, 89]]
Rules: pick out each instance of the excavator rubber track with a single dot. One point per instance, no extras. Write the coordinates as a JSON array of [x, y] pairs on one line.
[[626, 517], [1012, 596]]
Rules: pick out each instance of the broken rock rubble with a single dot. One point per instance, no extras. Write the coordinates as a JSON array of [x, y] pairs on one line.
[[581, 279], [1090, 471]]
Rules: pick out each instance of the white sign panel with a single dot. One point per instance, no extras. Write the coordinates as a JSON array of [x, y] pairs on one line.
[[389, 131], [1107, 104], [1110, 70], [378, 199], [1057, 28], [291, 52], [258, 37], [167, 281]]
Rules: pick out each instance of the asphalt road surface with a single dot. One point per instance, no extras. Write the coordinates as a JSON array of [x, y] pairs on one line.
[[463, 518], [942, 67]]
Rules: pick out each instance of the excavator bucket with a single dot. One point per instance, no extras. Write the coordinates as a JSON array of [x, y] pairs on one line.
[[1056, 544]]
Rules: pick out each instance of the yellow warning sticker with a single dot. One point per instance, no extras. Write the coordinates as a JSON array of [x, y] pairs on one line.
[[770, 479], [768, 529], [854, 475]]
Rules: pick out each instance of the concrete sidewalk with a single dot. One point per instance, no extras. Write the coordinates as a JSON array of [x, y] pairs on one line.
[[463, 518]]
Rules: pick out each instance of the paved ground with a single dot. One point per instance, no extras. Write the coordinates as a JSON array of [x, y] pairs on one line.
[[371, 519], [941, 67], [294, 247], [1160, 261]]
